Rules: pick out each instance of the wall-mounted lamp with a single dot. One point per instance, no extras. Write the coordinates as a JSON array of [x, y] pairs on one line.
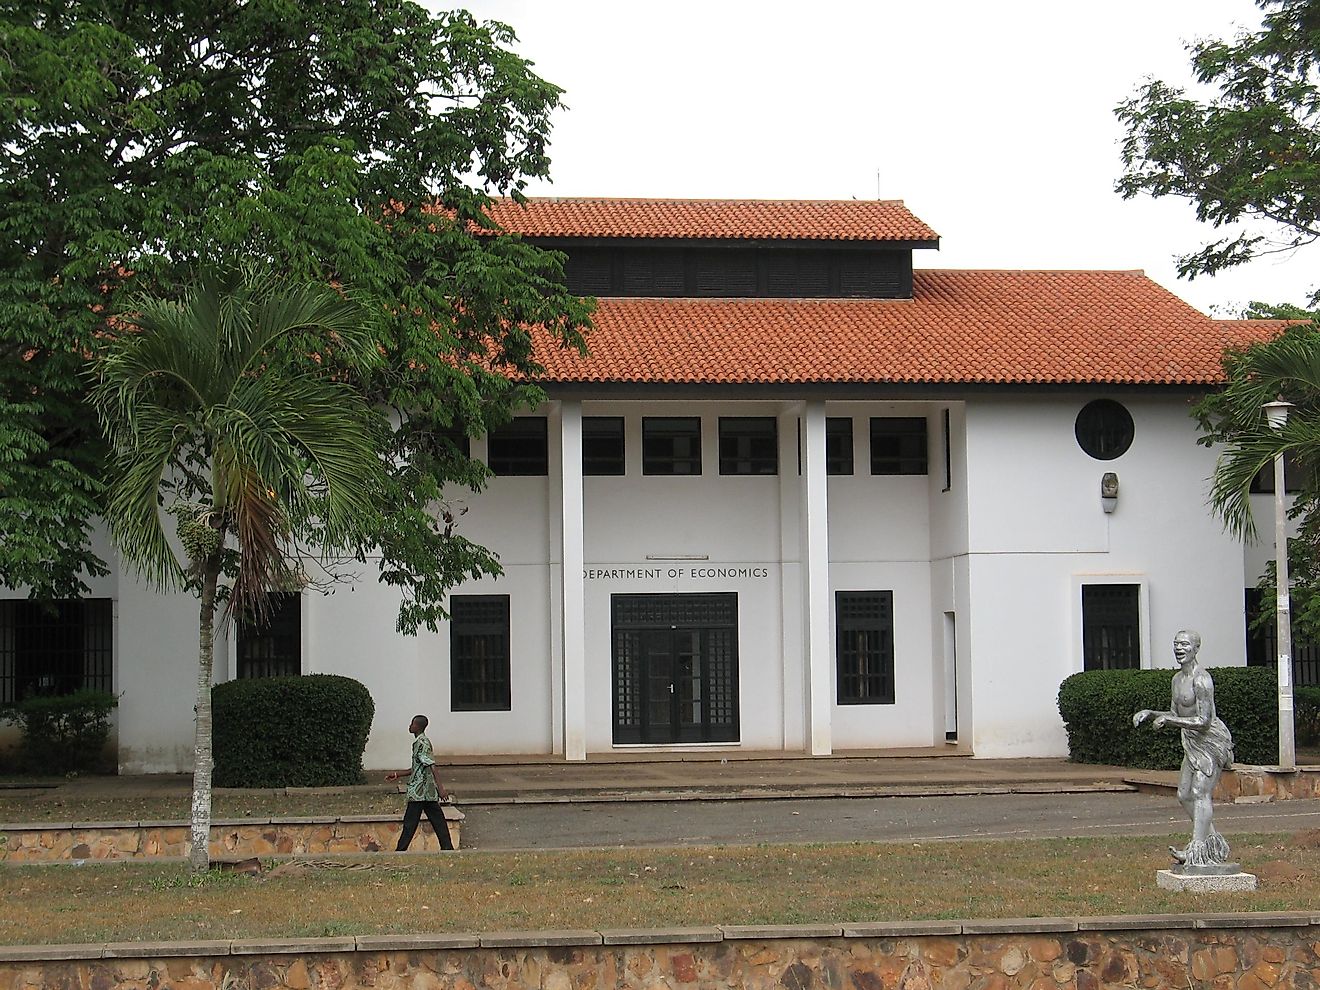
[[1108, 491]]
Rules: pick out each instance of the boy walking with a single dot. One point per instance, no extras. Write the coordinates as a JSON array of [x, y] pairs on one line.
[[425, 792]]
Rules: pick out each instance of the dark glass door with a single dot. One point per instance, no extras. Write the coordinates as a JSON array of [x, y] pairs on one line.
[[675, 668]]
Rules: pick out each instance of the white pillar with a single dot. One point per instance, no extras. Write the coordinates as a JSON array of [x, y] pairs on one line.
[[814, 530], [793, 679], [573, 615]]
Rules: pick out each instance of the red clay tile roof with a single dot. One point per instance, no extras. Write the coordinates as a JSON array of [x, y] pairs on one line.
[[1006, 327], [714, 219]]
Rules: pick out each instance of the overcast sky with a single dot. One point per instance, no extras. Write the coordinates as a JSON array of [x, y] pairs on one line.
[[993, 121]]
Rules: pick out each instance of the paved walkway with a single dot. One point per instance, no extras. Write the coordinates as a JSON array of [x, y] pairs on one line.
[[707, 776]]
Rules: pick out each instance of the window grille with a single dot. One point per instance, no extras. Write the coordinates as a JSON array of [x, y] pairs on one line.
[[273, 649], [55, 647], [864, 647], [602, 445], [791, 273], [1111, 626], [1104, 429], [479, 677], [875, 274], [590, 271], [671, 445], [519, 447], [721, 272], [898, 445], [744, 271], [653, 272], [749, 445], [1263, 644]]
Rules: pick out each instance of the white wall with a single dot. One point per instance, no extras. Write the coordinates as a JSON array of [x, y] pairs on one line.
[[1004, 550], [156, 651], [1037, 531]]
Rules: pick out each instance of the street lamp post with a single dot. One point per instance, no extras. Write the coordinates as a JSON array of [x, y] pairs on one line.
[[1277, 414]]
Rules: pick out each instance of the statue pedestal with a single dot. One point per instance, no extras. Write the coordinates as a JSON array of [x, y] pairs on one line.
[[1206, 879]]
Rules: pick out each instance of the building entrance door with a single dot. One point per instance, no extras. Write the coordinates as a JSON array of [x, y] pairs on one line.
[[675, 668]]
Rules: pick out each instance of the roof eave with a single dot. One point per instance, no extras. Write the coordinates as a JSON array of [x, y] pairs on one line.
[[874, 391], [560, 241]]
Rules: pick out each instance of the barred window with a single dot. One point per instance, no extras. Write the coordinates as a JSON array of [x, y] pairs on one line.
[[1111, 626], [55, 647], [519, 447], [898, 445], [272, 648], [1104, 429], [671, 445], [864, 647], [479, 679], [749, 445]]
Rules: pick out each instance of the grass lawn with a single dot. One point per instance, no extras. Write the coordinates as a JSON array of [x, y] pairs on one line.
[[643, 888], [477, 891]]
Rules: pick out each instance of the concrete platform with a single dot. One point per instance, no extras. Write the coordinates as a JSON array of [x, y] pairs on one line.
[[1212, 883], [691, 775]]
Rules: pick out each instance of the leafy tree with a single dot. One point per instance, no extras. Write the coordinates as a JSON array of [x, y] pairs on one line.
[[251, 445], [342, 141], [1248, 157], [1256, 310]]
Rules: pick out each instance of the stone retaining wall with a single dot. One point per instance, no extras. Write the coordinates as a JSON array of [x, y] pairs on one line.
[[1246, 782], [230, 839], [1166, 952], [1242, 784]]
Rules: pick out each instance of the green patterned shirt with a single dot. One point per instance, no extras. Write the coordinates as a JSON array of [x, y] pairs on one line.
[[421, 784]]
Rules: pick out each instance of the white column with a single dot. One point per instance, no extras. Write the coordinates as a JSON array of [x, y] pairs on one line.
[[793, 680], [573, 615], [814, 530]]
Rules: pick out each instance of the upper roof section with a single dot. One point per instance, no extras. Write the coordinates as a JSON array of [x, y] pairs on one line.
[[885, 221], [959, 327]]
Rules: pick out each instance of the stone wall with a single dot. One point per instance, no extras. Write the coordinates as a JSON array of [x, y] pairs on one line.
[[233, 839], [1266, 783], [1242, 784], [1166, 952]]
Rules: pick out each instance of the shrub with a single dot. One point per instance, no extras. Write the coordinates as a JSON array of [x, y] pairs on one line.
[[306, 731], [62, 733], [1097, 708]]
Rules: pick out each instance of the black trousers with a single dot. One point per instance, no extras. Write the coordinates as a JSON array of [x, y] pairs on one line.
[[412, 816]]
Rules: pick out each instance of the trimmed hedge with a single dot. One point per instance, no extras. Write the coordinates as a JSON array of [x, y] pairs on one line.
[[306, 731], [62, 733], [1097, 708]]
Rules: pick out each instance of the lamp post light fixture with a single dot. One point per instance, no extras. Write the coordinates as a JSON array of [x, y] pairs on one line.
[[1276, 413]]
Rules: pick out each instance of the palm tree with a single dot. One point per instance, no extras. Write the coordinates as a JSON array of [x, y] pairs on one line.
[[1286, 367], [222, 412]]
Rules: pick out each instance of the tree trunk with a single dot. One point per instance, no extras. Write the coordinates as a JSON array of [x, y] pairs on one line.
[[199, 855]]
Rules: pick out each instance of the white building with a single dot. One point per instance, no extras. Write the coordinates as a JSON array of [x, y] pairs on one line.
[[800, 497]]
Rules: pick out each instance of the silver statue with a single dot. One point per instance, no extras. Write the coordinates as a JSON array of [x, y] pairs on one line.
[[1207, 752]]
